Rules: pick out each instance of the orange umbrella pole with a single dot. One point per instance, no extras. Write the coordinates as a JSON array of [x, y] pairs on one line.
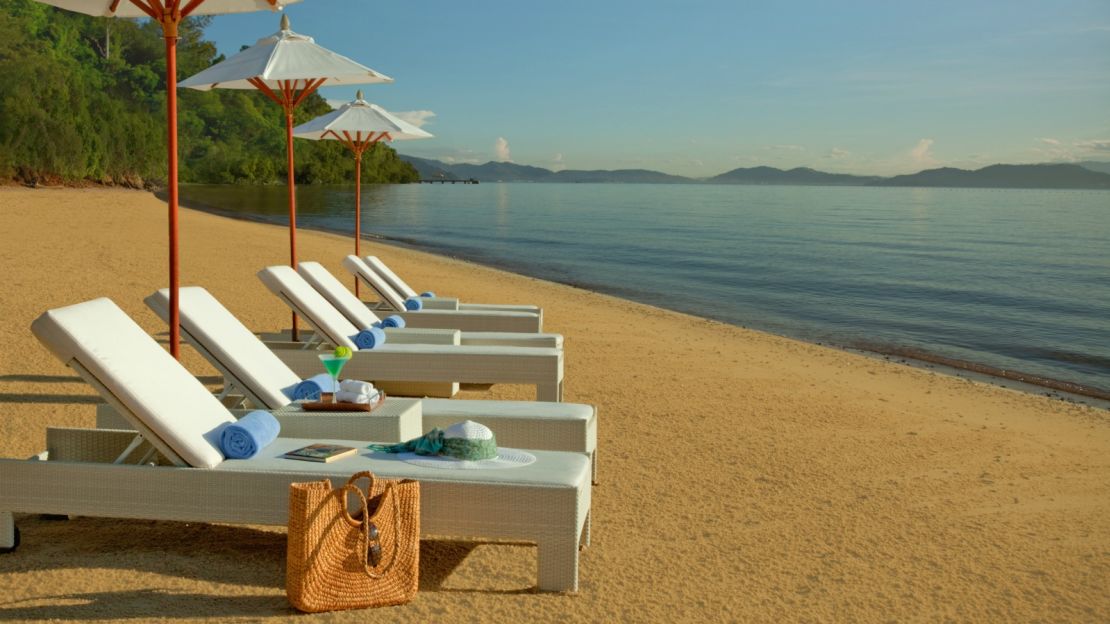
[[169, 14], [171, 147], [358, 208], [288, 98], [358, 145], [292, 201]]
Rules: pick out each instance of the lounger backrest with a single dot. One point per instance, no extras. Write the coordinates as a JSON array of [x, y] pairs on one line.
[[138, 375], [337, 294], [389, 276], [303, 299], [229, 345], [359, 269]]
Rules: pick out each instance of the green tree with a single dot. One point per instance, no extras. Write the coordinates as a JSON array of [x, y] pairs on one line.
[[84, 100]]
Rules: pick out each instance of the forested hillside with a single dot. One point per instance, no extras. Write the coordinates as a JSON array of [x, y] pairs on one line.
[[83, 99]]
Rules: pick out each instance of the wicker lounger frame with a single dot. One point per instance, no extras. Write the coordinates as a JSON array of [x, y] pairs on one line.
[[513, 430], [555, 518], [76, 479], [394, 281], [541, 367], [358, 314], [463, 320]]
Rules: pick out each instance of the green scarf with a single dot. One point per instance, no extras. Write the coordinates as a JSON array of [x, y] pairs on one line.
[[433, 443]]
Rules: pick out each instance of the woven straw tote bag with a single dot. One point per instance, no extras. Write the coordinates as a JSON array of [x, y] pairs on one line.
[[338, 561]]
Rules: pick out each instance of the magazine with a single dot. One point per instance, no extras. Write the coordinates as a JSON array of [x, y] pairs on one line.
[[320, 452]]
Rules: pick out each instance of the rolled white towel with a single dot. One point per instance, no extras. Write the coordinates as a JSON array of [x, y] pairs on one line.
[[356, 386], [356, 397]]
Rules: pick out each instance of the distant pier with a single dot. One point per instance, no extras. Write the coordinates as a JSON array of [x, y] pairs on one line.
[[449, 181]]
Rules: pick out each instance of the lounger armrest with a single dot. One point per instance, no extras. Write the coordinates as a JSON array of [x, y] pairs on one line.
[[423, 336], [474, 321], [440, 303]]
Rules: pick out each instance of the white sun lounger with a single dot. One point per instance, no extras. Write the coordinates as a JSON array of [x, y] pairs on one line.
[[467, 320], [542, 367], [444, 303], [547, 502], [252, 369], [342, 299]]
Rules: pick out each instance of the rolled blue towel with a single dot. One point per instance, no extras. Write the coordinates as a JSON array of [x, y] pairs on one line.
[[393, 321], [310, 389], [428, 294], [412, 304], [369, 338], [249, 435]]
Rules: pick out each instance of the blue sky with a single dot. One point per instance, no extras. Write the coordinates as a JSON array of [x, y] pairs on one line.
[[701, 87]]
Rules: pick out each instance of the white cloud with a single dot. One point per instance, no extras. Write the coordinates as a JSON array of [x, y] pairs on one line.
[[1057, 151], [786, 148], [447, 154], [336, 104], [557, 162], [1094, 145], [838, 154], [417, 118], [501, 148], [922, 153]]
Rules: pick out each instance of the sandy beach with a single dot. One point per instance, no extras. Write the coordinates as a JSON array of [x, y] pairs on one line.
[[744, 476]]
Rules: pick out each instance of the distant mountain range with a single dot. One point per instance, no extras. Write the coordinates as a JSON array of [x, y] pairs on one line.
[[1083, 175]]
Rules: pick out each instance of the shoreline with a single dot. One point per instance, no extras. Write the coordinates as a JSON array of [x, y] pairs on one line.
[[1060, 389]]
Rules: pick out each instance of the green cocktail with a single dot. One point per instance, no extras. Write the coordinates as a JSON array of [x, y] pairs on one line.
[[334, 363]]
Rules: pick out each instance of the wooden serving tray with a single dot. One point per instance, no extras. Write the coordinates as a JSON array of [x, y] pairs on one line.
[[325, 405]]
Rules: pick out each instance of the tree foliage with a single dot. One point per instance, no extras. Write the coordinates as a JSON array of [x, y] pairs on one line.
[[84, 98]]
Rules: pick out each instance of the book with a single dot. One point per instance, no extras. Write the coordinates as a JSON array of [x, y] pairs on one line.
[[320, 452]]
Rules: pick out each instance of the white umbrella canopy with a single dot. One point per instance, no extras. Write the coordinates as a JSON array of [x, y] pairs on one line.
[[130, 8], [359, 125], [283, 56], [169, 13], [287, 67], [356, 119]]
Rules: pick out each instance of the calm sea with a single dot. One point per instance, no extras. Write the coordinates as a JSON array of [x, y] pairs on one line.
[[1016, 280]]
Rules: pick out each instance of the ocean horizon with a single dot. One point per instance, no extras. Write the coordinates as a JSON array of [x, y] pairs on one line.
[[1010, 283]]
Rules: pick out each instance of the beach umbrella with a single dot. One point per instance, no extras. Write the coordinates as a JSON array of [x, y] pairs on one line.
[[287, 67], [169, 14], [359, 125]]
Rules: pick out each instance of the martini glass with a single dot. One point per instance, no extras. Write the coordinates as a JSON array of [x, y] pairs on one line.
[[333, 364]]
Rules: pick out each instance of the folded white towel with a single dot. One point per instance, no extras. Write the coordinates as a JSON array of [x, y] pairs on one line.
[[344, 396], [351, 397], [356, 386]]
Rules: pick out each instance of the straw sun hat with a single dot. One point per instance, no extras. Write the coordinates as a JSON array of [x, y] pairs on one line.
[[462, 446]]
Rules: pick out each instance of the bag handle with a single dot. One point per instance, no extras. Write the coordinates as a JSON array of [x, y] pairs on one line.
[[363, 503], [365, 474], [365, 521]]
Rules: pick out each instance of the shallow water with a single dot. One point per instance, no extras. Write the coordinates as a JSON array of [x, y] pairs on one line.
[[1013, 279]]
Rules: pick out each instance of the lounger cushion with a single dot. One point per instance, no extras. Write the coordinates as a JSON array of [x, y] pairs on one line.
[[229, 341], [390, 277], [358, 268], [284, 282], [551, 468], [145, 378], [337, 294], [405, 290]]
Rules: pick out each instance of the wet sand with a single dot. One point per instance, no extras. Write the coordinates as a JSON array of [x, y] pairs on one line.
[[745, 476]]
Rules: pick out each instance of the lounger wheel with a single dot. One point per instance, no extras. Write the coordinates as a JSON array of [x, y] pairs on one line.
[[15, 543]]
